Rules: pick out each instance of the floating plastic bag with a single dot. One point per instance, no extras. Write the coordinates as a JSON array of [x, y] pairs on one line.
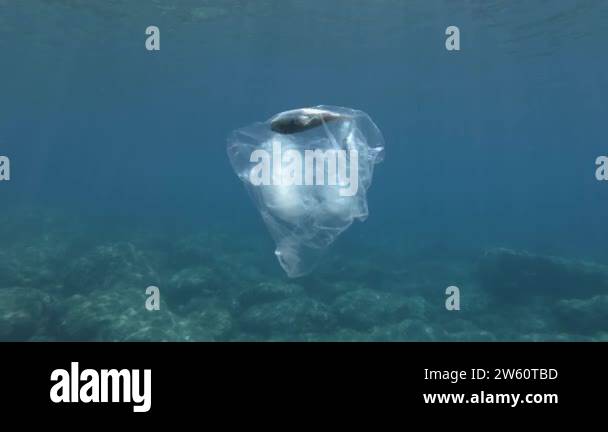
[[308, 171]]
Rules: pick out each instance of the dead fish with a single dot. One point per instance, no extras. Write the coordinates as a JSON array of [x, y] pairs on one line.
[[298, 120]]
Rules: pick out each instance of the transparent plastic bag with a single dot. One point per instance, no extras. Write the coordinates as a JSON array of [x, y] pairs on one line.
[[308, 171]]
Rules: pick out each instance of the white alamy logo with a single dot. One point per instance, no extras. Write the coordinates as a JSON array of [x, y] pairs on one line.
[[286, 168], [5, 168], [90, 386]]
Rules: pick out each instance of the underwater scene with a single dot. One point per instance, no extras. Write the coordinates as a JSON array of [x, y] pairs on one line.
[[471, 206]]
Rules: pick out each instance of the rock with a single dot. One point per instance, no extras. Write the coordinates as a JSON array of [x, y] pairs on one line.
[[414, 330], [325, 290], [192, 282], [587, 316], [237, 265], [511, 322], [467, 331], [210, 324], [266, 292], [347, 335], [364, 308], [25, 313], [31, 265], [193, 250], [551, 337], [291, 316], [473, 336], [109, 265], [350, 268], [517, 276], [119, 315]]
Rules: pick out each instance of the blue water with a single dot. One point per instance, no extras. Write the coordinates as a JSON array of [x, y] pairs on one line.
[[490, 146]]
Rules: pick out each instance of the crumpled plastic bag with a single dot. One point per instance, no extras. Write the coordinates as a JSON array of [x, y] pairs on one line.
[[308, 171]]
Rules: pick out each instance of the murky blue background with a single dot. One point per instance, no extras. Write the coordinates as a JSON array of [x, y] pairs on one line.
[[492, 146]]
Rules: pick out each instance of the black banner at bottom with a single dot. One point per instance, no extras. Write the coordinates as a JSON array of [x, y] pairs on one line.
[[206, 380]]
